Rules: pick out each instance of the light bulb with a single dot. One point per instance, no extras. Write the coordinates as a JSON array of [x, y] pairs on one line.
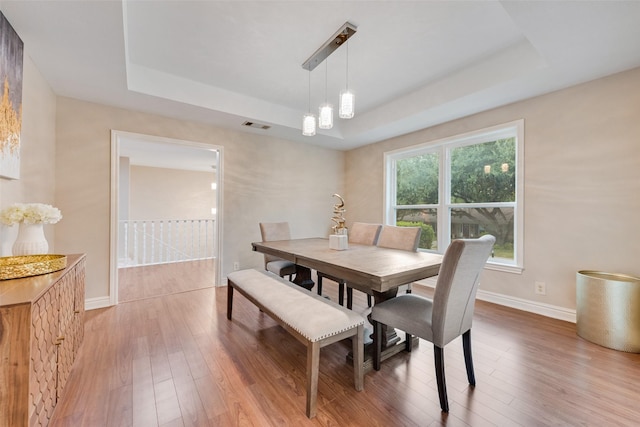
[[347, 104], [309, 125], [325, 118]]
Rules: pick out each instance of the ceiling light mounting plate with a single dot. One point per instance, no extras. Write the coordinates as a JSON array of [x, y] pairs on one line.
[[338, 39]]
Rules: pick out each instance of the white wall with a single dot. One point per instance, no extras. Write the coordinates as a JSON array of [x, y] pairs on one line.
[[582, 185], [264, 179], [37, 169]]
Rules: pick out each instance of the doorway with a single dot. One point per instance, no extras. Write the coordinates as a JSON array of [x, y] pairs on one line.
[[165, 216]]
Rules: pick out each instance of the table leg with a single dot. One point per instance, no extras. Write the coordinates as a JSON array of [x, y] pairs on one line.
[[389, 335], [303, 277], [392, 345]]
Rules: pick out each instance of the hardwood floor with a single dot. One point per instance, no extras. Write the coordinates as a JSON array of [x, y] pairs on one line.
[[148, 281], [176, 360]]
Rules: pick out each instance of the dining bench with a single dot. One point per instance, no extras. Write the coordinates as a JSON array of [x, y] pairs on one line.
[[313, 320]]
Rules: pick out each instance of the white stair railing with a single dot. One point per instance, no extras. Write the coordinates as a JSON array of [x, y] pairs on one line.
[[146, 242]]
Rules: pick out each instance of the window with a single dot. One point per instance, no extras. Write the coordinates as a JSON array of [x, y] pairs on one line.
[[462, 187]]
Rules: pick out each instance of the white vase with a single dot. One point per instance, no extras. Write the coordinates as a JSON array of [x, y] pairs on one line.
[[30, 240]]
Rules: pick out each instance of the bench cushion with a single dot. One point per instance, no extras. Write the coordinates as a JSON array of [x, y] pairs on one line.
[[314, 318]]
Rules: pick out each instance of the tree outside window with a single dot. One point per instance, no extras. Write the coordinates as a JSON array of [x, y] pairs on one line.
[[460, 188]]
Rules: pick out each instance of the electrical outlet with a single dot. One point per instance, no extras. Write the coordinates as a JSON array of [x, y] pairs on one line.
[[236, 266], [541, 288]]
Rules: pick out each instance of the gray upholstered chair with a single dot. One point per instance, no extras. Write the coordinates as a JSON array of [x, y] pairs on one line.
[[360, 233], [273, 231], [447, 316], [403, 238]]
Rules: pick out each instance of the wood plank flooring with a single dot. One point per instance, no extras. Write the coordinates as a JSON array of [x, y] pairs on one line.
[[148, 281], [175, 360]]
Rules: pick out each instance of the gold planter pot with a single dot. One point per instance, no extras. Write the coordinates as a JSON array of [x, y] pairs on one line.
[[608, 309]]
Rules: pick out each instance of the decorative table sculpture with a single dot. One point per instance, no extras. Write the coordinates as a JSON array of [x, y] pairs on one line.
[[339, 240]]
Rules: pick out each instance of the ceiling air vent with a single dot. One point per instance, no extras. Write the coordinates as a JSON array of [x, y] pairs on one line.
[[256, 125]]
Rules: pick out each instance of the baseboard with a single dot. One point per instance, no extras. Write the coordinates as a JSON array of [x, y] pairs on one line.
[[99, 302], [547, 310]]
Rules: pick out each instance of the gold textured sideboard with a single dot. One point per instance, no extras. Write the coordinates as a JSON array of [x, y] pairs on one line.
[[41, 330]]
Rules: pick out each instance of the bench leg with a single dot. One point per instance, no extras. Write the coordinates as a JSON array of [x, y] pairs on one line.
[[229, 300], [313, 365], [358, 358]]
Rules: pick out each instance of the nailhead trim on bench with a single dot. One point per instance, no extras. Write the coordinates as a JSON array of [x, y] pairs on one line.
[[313, 320], [312, 316]]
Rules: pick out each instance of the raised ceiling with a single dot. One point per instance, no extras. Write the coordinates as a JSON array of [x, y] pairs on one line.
[[412, 64]]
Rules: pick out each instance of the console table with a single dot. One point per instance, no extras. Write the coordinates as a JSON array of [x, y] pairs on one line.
[[41, 330]]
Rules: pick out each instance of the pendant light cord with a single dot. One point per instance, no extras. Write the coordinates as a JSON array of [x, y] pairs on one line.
[[347, 67], [309, 91], [326, 78]]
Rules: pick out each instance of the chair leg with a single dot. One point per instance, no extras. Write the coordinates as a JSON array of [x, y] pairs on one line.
[[409, 288], [408, 342], [319, 285], [438, 354], [377, 344], [341, 293], [229, 301], [349, 298], [468, 360]]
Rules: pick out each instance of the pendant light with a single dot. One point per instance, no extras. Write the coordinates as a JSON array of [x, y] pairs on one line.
[[325, 116], [347, 99], [325, 112], [309, 120]]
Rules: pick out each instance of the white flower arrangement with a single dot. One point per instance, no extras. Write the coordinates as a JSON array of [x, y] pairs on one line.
[[30, 213]]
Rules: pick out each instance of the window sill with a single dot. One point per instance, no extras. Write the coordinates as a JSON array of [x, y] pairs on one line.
[[504, 268]]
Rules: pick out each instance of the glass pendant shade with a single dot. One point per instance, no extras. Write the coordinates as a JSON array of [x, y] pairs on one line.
[[347, 104], [325, 118], [309, 125]]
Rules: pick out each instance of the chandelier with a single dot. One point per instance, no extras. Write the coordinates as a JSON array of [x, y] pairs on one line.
[[347, 99]]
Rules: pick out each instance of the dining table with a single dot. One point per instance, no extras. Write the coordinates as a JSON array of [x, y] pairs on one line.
[[374, 270]]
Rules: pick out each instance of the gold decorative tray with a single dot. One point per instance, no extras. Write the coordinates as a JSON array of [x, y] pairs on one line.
[[14, 267]]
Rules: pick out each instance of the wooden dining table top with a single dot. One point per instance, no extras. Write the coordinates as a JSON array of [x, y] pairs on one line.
[[363, 267]]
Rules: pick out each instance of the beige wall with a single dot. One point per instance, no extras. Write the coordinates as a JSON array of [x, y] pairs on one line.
[[160, 193], [37, 152], [582, 184], [264, 179], [582, 180]]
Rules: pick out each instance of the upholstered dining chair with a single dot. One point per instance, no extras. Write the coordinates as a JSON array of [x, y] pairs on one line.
[[445, 317], [272, 231], [393, 237], [403, 238], [361, 233]]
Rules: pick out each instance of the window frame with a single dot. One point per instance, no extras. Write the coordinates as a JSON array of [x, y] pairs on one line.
[[443, 148]]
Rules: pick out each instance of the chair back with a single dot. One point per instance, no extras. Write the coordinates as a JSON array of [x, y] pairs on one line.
[[456, 288], [403, 238], [273, 231], [364, 234]]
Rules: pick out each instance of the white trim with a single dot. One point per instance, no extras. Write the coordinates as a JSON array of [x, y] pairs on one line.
[[95, 303], [113, 216], [540, 308], [506, 268]]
